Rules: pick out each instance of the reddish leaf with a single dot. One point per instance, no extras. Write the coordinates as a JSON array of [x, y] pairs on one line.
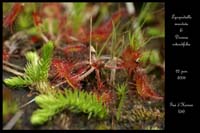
[[83, 35], [143, 87], [106, 96], [99, 34], [62, 23], [79, 69], [63, 70], [34, 39], [74, 48], [117, 15], [66, 35], [108, 26], [114, 64], [71, 72], [130, 57], [11, 17], [102, 32], [53, 10], [99, 82], [36, 18]]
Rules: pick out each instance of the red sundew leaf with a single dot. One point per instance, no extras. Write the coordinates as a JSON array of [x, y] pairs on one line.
[[66, 35], [143, 87], [83, 35], [130, 57], [35, 39], [107, 97], [118, 64], [62, 23], [102, 32], [36, 18], [100, 84], [61, 66], [114, 67], [117, 15], [100, 36], [97, 66], [107, 26], [96, 93], [79, 69], [74, 48], [64, 70], [11, 17], [53, 10]]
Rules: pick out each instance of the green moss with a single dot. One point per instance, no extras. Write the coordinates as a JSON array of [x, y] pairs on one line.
[[75, 101], [121, 92], [146, 114], [102, 126], [36, 71]]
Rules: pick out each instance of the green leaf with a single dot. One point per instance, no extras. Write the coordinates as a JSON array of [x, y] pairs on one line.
[[151, 56], [32, 57], [32, 31], [9, 107], [144, 57], [135, 39], [41, 116], [154, 31], [36, 69], [121, 89], [154, 58], [47, 51], [77, 15], [23, 22], [18, 81], [45, 62]]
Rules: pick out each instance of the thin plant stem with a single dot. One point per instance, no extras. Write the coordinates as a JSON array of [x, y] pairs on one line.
[[13, 121], [104, 45], [24, 105], [120, 107], [13, 65], [59, 84], [113, 40], [121, 90], [90, 39], [50, 26], [113, 72], [86, 74], [8, 69], [44, 37], [130, 7], [57, 40]]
